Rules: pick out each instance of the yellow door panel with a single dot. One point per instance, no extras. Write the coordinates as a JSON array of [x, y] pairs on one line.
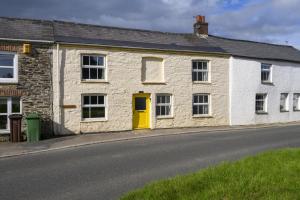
[[141, 111]]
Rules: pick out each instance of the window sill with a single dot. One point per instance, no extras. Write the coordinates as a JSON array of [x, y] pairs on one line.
[[9, 82], [94, 81], [202, 116], [202, 82], [164, 117], [154, 83], [261, 113], [284, 111], [296, 110], [4, 132], [267, 83], [93, 120]]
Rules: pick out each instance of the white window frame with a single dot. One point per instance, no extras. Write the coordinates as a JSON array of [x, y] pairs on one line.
[[170, 105], [104, 67], [94, 105], [296, 102], [270, 70], [9, 112], [203, 104], [265, 103], [201, 70], [14, 67], [285, 107]]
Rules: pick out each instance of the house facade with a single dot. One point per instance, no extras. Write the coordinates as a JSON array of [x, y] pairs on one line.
[[269, 90], [84, 78], [25, 73]]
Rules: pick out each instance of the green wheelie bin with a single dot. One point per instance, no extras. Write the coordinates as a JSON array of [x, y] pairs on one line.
[[33, 127]]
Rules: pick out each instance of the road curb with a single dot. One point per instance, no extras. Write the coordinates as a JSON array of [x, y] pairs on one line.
[[142, 137]]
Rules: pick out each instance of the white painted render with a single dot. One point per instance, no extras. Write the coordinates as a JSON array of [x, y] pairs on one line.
[[245, 83], [124, 79]]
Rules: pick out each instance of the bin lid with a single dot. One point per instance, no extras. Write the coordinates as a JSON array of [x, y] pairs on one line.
[[15, 116], [33, 116]]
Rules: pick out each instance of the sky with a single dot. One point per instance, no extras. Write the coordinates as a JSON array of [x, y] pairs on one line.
[[274, 21]]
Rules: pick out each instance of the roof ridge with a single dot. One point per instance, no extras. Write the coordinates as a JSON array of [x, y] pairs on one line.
[[27, 19], [242, 40], [120, 28]]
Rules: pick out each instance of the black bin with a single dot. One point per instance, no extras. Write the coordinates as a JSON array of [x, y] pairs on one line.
[[15, 127]]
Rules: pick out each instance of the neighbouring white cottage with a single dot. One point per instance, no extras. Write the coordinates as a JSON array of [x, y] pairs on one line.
[[264, 84]]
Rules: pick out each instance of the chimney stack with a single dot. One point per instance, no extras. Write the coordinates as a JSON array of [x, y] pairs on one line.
[[201, 27]]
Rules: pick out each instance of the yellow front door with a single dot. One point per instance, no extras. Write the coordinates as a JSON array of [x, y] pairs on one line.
[[141, 111]]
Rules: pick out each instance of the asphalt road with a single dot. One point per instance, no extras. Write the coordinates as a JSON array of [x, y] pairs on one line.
[[107, 170]]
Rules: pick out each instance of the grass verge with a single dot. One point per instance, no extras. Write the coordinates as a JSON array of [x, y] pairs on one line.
[[270, 175]]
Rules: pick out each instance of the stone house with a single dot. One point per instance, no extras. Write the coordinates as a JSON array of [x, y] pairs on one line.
[[25, 72], [96, 78]]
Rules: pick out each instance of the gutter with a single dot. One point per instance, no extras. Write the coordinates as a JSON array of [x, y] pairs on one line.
[[25, 40], [143, 48]]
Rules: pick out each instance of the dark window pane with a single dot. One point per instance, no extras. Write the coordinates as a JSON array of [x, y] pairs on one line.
[[86, 60], [140, 103], [3, 105], [85, 73], [93, 73], [205, 109], [196, 99], [194, 76], [205, 99], [200, 77], [100, 73], [201, 110], [6, 72], [3, 121], [6, 60], [168, 110], [163, 99], [157, 110], [194, 65], [204, 65], [15, 105], [158, 99], [93, 60], [94, 99], [97, 112], [86, 112], [100, 99], [86, 100], [168, 99], [163, 110], [195, 110], [100, 61]]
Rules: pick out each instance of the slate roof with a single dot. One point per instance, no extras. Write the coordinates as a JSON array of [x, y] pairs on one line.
[[251, 49], [69, 32], [92, 34], [25, 29]]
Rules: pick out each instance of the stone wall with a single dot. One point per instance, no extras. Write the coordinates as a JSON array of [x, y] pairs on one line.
[[124, 80], [34, 83]]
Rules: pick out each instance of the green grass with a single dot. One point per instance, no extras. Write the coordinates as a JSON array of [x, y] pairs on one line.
[[270, 175]]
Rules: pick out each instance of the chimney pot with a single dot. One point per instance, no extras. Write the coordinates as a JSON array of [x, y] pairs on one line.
[[200, 27]]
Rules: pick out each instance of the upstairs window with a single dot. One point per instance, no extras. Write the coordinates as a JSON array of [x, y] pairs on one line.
[[284, 103], [200, 71], [261, 103], [93, 67], [296, 102], [8, 67], [266, 73], [163, 105], [201, 104]]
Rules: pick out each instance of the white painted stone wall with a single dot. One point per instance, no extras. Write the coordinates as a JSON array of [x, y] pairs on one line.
[[245, 83], [124, 79]]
